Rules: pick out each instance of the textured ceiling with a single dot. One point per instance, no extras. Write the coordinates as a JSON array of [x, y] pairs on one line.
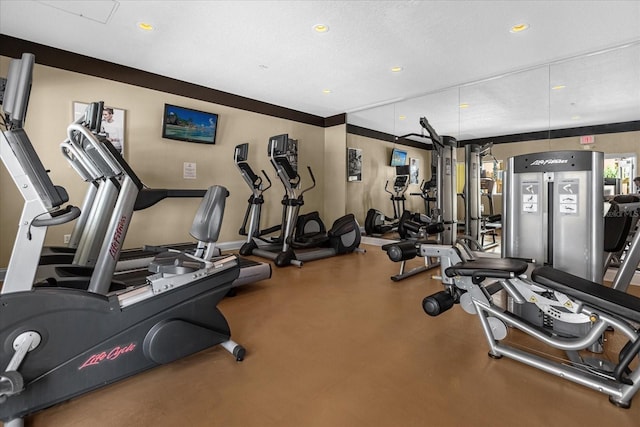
[[268, 51]]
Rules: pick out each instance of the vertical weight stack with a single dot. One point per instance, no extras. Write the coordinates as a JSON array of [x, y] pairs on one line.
[[554, 211]]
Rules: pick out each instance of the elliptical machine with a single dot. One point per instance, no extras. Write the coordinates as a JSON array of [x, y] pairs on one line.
[[428, 195], [303, 237], [251, 223], [311, 223], [377, 223]]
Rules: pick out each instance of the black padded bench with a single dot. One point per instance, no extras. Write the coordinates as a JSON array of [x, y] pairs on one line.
[[607, 299], [482, 268]]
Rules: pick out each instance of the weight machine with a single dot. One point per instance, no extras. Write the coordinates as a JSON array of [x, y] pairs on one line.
[[472, 283], [477, 225], [442, 220]]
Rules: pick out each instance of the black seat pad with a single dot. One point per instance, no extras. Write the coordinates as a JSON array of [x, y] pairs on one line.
[[487, 265], [607, 299]]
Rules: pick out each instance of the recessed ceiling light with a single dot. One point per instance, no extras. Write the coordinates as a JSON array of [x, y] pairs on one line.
[[326, 91], [402, 117], [145, 26], [321, 28], [575, 117], [558, 87], [396, 69], [518, 28], [464, 105]]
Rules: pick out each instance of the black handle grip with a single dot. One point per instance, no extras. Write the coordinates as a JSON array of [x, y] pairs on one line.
[[69, 213]]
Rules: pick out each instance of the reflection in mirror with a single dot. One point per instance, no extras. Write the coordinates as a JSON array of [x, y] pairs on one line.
[[619, 171], [380, 118], [439, 108], [401, 118], [513, 103], [596, 89]]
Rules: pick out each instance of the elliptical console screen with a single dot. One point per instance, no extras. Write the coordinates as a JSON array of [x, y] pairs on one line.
[[242, 152], [401, 180], [278, 145]]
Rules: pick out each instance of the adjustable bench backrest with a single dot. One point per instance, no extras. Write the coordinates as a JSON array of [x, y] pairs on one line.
[[618, 222], [602, 297]]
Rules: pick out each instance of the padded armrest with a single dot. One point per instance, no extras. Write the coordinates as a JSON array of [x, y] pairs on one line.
[[148, 197], [605, 298]]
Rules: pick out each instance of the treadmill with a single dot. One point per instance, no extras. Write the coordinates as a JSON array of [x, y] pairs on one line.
[[94, 157]]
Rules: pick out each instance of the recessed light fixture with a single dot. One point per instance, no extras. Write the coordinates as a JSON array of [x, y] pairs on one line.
[[464, 105], [575, 117], [321, 28], [402, 117], [145, 26], [396, 69], [558, 87], [326, 91], [518, 28]]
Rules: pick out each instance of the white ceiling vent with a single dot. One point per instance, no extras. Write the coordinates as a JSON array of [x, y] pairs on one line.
[[96, 10]]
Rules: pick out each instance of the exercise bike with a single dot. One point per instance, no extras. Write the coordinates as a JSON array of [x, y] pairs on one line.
[[61, 342]]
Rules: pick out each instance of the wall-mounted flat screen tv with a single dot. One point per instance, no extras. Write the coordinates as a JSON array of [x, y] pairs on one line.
[[398, 157], [185, 124]]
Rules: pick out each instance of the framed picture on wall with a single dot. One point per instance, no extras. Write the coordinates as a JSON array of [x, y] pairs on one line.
[[354, 165], [414, 170], [112, 123]]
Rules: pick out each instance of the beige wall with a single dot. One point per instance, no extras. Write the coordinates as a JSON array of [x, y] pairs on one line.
[[369, 193], [335, 170], [361, 196], [157, 161], [615, 143]]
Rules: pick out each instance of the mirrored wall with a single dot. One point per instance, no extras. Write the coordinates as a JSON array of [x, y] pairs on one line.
[[592, 89]]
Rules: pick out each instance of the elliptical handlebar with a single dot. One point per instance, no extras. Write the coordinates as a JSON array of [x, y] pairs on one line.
[[313, 179], [386, 185], [262, 190]]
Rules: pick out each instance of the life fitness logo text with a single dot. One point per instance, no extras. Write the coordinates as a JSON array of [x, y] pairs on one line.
[[549, 162], [111, 355], [117, 237]]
